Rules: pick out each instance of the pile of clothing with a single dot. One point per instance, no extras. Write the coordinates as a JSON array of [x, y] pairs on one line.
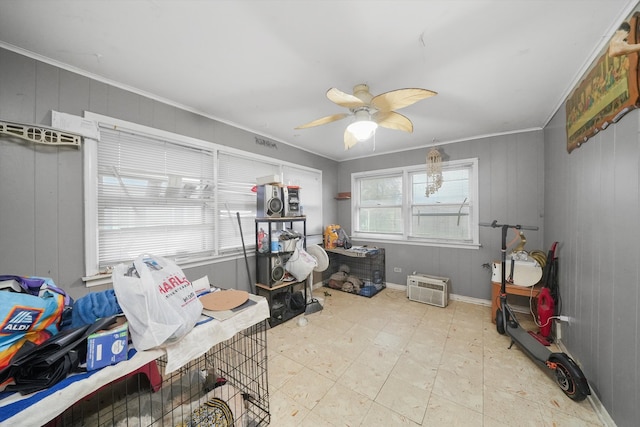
[[44, 332]]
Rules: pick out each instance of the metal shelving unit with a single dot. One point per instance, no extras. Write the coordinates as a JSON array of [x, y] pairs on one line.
[[270, 271]]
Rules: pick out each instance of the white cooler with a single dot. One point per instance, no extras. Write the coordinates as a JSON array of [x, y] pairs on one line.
[[525, 273]]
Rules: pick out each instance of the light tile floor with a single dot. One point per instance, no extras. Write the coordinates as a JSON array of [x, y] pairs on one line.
[[387, 361]]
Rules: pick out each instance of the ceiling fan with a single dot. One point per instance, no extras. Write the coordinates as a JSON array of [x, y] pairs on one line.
[[371, 111]]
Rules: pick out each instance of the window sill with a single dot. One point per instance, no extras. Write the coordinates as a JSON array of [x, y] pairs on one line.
[[106, 278], [97, 280], [366, 239]]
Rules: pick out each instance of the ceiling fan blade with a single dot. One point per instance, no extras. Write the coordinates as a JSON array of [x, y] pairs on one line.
[[396, 99], [323, 120], [349, 139], [344, 99], [393, 120]]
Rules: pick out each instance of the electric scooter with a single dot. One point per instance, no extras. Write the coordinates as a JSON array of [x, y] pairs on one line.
[[564, 370]]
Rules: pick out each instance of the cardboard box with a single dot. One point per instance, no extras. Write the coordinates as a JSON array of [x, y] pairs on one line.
[[108, 347]]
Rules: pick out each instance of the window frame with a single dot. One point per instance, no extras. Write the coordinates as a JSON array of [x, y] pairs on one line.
[[98, 276], [405, 235]]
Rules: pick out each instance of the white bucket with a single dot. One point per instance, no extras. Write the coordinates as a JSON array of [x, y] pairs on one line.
[[289, 245]]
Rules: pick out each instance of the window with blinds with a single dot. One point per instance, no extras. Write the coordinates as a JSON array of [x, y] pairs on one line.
[[151, 191], [310, 183], [236, 178], [154, 196]]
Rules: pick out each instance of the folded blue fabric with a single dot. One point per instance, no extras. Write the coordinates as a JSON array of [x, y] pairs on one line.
[[94, 306]]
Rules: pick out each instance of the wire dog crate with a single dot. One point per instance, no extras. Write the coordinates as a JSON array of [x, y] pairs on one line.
[[227, 383], [358, 270]]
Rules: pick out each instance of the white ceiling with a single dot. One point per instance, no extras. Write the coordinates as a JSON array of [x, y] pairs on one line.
[[499, 66]]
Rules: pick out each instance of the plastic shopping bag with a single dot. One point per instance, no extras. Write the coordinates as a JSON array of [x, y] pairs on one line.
[[300, 264], [158, 301]]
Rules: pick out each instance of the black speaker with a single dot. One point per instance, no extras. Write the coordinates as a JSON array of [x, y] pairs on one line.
[[270, 269], [270, 201], [277, 269]]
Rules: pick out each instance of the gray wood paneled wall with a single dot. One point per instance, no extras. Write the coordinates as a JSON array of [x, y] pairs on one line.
[[42, 213], [511, 184], [592, 207]]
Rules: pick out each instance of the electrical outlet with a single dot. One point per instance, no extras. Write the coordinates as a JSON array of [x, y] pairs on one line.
[[397, 270]]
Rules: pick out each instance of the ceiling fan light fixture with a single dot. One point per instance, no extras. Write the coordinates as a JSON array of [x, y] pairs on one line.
[[363, 128], [365, 107]]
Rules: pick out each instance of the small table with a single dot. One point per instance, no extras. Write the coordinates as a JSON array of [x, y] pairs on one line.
[[511, 290]]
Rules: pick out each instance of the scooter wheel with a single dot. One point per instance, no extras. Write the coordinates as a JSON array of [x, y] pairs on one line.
[[567, 375], [499, 322]]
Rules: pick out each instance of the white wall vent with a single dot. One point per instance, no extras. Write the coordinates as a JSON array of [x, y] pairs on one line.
[[428, 289]]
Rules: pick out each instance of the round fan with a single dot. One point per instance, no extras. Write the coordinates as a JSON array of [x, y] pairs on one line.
[[321, 257], [371, 111], [322, 263]]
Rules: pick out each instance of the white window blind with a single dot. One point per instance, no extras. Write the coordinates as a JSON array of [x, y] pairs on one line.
[[236, 178], [154, 196], [152, 191], [310, 183]]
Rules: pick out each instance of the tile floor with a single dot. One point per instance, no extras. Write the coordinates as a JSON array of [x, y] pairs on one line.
[[387, 361]]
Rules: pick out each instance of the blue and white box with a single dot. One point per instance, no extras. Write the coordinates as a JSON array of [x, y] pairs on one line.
[[108, 347]]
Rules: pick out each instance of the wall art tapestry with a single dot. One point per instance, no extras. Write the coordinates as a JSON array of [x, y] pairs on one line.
[[609, 89]]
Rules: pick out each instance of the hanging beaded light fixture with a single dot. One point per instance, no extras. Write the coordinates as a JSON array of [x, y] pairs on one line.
[[434, 172]]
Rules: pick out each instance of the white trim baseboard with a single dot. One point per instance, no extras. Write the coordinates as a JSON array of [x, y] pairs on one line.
[[593, 398]]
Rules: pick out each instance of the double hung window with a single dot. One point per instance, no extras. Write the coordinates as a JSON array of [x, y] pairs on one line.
[[391, 204]]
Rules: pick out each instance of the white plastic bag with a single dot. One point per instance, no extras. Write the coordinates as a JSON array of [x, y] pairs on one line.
[[300, 264], [158, 301]]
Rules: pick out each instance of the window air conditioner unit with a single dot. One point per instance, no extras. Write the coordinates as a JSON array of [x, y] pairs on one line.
[[428, 289]]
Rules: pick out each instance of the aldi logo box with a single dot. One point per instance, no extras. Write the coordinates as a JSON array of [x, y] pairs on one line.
[[108, 347]]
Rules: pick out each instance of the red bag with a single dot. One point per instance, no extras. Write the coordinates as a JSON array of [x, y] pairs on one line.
[[546, 307]]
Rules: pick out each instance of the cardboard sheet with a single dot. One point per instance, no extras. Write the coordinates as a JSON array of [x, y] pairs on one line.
[[224, 300]]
